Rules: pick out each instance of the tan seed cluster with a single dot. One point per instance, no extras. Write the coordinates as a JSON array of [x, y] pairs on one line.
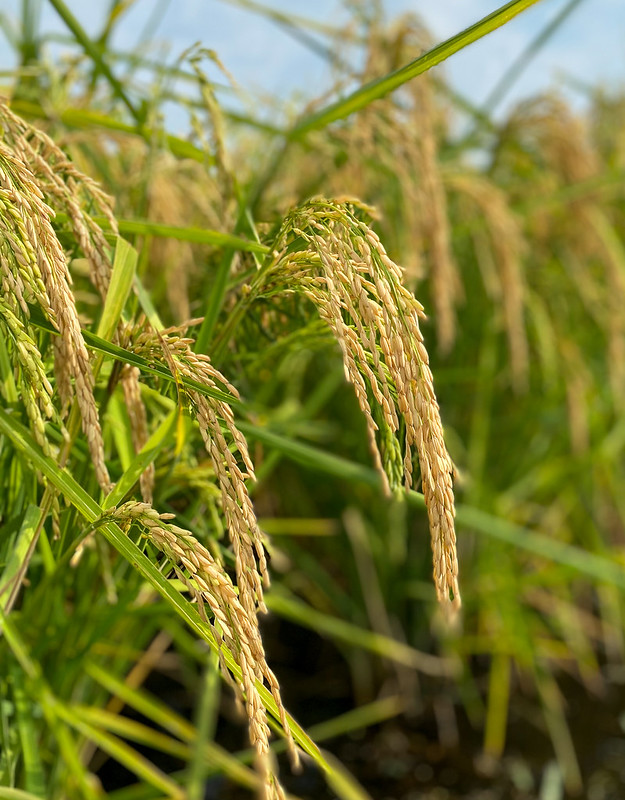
[[345, 271], [230, 457], [233, 625], [66, 189], [41, 267], [394, 162], [544, 136]]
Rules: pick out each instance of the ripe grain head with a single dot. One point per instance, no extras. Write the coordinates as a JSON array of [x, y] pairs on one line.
[[232, 624], [340, 265], [40, 265], [228, 451]]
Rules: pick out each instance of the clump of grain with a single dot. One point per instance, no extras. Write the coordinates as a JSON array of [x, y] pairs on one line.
[[325, 251], [39, 265], [67, 190], [544, 136], [231, 471], [232, 624], [21, 280]]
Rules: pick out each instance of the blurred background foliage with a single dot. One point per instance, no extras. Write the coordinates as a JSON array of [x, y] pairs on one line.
[[511, 235]]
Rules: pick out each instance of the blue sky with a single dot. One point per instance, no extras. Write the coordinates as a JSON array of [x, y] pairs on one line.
[[588, 47]]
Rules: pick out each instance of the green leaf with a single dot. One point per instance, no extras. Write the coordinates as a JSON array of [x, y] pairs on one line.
[[165, 717], [144, 227], [583, 561], [123, 754], [159, 439], [34, 779], [187, 234], [124, 266], [83, 118]]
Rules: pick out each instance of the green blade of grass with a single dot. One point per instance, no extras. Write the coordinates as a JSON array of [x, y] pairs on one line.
[[34, 779], [42, 695], [342, 781], [123, 754], [118, 422], [185, 234], [214, 302], [366, 94], [157, 441], [7, 379], [582, 561], [123, 272], [160, 714], [132, 730], [360, 718], [18, 552], [205, 717]]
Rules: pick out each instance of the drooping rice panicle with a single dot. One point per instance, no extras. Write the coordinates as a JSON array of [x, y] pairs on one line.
[[340, 264], [67, 190], [233, 625], [231, 460], [39, 257]]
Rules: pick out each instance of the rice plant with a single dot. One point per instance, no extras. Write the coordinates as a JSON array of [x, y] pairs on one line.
[[248, 372]]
